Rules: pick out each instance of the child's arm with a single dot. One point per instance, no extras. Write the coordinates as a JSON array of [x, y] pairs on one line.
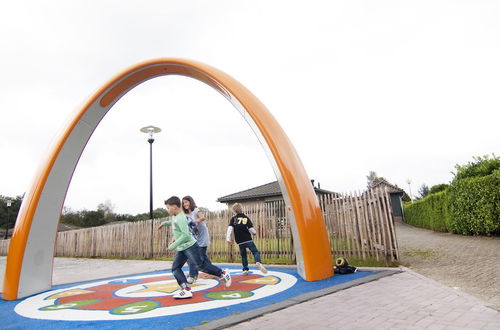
[[250, 227], [165, 223], [184, 237], [228, 234], [201, 217]]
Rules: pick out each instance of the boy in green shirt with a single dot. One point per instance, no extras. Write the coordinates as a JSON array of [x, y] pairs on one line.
[[187, 249]]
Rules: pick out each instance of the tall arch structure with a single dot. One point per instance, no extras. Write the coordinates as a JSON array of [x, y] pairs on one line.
[[31, 250]]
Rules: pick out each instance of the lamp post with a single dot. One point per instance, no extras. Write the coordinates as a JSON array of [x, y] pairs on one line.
[[408, 181], [8, 202], [151, 130]]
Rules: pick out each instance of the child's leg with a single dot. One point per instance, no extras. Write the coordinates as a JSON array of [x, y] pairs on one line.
[[194, 254], [256, 257], [243, 252], [179, 261], [203, 254], [255, 252], [193, 269]]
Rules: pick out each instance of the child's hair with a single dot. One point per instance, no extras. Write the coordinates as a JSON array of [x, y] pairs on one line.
[[174, 200], [192, 204], [237, 208]]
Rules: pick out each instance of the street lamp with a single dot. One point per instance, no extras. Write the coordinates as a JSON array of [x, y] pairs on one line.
[[151, 130], [8, 202], [408, 181]]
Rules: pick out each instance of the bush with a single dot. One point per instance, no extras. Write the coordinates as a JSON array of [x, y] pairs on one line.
[[469, 206], [430, 212], [437, 188], [481, 166], [474, 203], [84, 218]]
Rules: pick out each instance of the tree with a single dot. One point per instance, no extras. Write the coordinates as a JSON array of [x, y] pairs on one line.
[[157, 214], [8, 215], [107, 209], [103, 215], [160, 213], [481, 166], [92, 218], [437, 188], [373, 179], [423, 191], [84, 218]]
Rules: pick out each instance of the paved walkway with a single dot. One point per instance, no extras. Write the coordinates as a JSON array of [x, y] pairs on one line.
[[402, 301], [453, 283], [465, 263]]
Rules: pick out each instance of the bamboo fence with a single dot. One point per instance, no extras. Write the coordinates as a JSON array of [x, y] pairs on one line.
[[359, 225], [4, 246]]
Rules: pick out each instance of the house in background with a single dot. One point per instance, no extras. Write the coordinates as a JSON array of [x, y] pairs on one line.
[[396, 195], [268, 192]]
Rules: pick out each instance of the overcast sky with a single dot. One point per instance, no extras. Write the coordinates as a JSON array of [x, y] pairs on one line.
[[407, 89]]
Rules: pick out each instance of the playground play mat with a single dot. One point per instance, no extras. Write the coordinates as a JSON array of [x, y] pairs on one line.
[[145, 300]]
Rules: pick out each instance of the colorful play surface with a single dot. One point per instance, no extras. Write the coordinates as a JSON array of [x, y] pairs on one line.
[[146, 300]]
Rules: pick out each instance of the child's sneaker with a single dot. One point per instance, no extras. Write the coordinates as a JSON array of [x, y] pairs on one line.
[[261, 267], [191, 280], [183, 294], [245, 272], [226, 277]]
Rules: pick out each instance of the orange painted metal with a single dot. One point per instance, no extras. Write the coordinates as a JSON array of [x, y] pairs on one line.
[[303, 201]]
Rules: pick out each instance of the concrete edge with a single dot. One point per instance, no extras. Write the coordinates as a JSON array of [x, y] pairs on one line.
[[239, 318]]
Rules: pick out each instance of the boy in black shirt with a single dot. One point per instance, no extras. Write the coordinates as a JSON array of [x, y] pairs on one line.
[[243, 231]]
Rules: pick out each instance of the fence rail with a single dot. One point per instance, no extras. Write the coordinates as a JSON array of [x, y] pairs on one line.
[[359, 225]]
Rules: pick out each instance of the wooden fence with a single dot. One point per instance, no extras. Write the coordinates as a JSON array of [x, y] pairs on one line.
[[4, 246], [359, 225]]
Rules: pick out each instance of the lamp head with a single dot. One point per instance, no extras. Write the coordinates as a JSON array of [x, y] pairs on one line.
[[150, 130]]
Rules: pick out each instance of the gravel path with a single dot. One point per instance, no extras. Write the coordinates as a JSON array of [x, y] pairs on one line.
[[466, 263]]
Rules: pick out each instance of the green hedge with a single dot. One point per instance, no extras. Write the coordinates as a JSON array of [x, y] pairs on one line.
[[429, 212], [481, 166], [470, 206], [474, 205]]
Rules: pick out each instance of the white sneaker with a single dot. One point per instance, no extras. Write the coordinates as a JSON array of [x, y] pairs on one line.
[[183, 294], [245, 272], [261, 267], [226, 277], [191, 280]]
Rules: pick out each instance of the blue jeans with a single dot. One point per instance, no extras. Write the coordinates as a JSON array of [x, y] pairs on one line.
[[193, 269], [243, 251], [192, 254]]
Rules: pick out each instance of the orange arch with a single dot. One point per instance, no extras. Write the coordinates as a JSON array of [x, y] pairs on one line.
[[31, 251]]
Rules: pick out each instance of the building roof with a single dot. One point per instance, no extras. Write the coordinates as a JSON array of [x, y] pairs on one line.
[[271, 189], [391, 188]]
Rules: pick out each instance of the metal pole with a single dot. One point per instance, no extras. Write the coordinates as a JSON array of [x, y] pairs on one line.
[[151, 140], [151, 130]]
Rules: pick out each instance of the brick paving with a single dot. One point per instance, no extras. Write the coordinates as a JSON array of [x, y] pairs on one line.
[[403, 301], [452, 283], [466, 263]]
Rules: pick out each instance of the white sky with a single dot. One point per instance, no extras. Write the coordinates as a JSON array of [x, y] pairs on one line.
[[404, 88]]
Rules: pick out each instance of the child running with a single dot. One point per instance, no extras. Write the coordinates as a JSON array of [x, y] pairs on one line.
[[243, 231], [197, 218], [187, 249]]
